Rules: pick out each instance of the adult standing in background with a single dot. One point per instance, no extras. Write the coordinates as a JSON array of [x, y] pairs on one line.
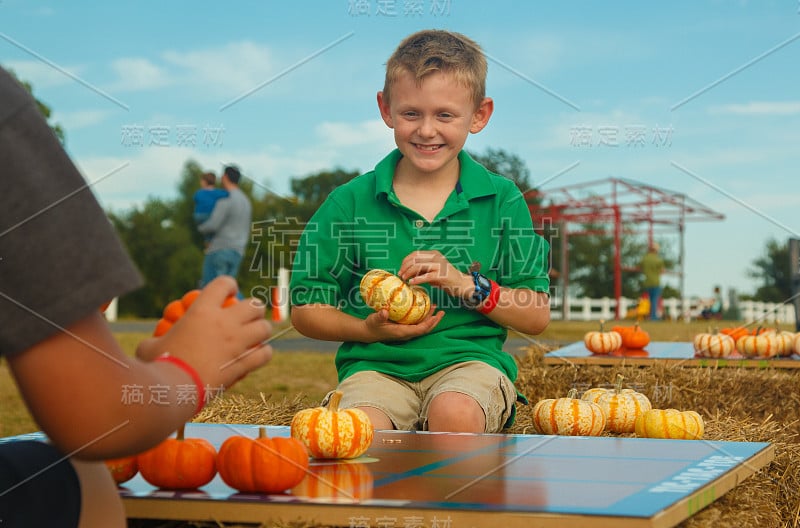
[[652, 266], [229, 227]]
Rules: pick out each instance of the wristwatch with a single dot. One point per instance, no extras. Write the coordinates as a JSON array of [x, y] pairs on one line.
[[483, 286]]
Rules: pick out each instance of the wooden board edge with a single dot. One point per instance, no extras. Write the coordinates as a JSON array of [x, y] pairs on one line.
[[362, 516], [711, 492]]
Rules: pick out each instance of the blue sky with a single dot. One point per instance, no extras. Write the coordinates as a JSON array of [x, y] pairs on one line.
[[284, 89]]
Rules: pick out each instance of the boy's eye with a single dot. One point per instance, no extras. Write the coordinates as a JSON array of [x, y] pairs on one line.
[[410, 114], [445, 115]]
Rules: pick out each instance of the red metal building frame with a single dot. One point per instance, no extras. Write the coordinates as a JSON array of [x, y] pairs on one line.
[[616, 202]]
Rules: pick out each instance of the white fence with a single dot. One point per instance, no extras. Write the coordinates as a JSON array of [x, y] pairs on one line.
[[585, 309]]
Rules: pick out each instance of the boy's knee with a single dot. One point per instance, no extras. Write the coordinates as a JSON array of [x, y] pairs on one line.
[[456, 412]]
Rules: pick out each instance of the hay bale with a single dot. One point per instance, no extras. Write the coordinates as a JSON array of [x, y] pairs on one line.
[[738, 404]]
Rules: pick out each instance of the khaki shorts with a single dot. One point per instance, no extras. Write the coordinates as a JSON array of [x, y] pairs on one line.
[[406, 403]]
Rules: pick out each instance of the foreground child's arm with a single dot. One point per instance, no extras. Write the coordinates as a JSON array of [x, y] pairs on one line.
[[75, 382]]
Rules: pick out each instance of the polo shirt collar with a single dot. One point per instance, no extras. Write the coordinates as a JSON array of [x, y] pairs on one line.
[[474, 180]]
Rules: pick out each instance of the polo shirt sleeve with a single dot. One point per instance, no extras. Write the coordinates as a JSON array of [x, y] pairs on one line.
[[523, 259], [316, 276]]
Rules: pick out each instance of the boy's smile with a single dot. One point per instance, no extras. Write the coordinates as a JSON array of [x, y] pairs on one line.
[[431, 120]]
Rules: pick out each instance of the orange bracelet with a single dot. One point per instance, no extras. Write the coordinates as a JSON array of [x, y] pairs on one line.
[[201, 389], [491, 301]]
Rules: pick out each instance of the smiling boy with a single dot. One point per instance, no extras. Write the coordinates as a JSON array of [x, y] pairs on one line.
[[429, 213]]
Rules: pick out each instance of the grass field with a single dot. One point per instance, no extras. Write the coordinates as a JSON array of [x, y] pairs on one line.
[[308, 374]]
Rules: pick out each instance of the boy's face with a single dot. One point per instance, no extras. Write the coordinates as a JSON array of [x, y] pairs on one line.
[[431, 121]]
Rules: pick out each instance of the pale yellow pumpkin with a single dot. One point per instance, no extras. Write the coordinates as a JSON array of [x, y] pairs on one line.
[[600, 342], [406, 304], [785, 342], [330, 432], [714, 345], [761, 345], [568, 416], [670, 423], [620, 406]]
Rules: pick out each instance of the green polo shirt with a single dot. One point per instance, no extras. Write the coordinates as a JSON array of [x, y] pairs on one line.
[[362, 226]]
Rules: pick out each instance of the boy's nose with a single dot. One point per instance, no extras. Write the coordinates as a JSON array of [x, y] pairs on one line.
[[427, 127]]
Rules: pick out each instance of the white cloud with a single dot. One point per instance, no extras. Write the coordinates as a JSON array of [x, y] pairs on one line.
[[759, 108], [352, 134], [42, 75], [81, 119], [134, 74], [233, 68]]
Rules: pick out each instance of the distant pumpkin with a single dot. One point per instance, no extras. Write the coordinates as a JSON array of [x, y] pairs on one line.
[[713, 345], [600, 342]]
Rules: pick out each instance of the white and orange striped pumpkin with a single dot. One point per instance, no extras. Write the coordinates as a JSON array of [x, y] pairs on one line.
[[383, 290], [670, 423], [796, 344], [714, 345], [621, 407], [568, 416], [600, 342], [330, 432], [761, 345], [785, 342]]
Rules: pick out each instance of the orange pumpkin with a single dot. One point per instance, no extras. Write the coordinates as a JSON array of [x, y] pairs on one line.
[[406, 304], [174, 310], [568, 416], [620, 406], [796, 343], [262, 465], [600, 342], [758, 345], [735, 332], [341, 481], [330, 432], [179, 463], [123, 469], [713, 345], [635, 338], [670, 423]]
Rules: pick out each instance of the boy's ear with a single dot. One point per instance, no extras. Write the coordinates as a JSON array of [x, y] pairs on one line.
[[481, 116], [386, 113]]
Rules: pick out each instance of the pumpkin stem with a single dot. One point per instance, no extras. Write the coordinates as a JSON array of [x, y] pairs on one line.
[[262, 432], [333, 403], [179, 434], [618, 384], [573, 393], [602, 322]]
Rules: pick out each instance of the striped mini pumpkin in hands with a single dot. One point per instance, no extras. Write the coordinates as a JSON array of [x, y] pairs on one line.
[[330, 432], [406, 304]]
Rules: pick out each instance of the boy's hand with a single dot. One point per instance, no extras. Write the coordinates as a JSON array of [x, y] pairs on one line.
[[433, 268], [379, 326], [221, 343]]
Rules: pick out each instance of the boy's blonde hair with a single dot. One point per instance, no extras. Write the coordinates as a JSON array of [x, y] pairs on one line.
[[433, 50]]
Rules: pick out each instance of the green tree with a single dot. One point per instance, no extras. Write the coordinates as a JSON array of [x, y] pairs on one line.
[[506, 164], [773, 270], [163, 251]]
